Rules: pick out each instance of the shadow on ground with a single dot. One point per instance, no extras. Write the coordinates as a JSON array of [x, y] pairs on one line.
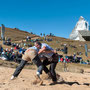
[[70, 83]]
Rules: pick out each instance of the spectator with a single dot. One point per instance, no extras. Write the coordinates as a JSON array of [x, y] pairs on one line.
[[1, 49], [65, 49], [16, 47], [13, 56]]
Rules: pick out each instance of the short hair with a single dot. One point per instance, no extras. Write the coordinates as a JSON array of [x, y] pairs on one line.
[[38, 43]]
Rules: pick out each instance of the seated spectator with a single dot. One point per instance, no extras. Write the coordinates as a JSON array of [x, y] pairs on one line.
[[70, 58], [8, 55], [57, 49], [8, 43], [11, 50], [22, 50], [24, 44], [18, 56], [13, 56], [4, 55], [4, 42], [29, 45], [61, 59], [9, 39], [28, 38], [16, 47], [6, 50], [13, 44], [49, 39]]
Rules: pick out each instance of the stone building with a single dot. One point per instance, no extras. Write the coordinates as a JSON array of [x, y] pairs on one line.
[[81, 31]]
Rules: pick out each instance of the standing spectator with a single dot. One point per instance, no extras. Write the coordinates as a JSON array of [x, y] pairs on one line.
[[65, 49], [65, 55], [74, 57], [41, 34], [1, 49]]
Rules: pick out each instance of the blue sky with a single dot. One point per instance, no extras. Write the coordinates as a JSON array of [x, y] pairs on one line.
[[44, 16]]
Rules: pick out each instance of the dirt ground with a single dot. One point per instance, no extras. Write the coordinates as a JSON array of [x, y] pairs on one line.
[[72, 81]]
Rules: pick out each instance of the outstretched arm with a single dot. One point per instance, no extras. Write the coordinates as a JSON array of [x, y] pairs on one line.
[[42, 50], [46, 51]]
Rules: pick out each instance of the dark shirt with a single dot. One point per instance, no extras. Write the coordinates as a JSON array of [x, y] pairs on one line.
[[65, 50]]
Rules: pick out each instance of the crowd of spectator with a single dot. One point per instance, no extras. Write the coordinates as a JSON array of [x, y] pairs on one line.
[[74, 58], [70, 59], [17, 51], [12, 54]]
